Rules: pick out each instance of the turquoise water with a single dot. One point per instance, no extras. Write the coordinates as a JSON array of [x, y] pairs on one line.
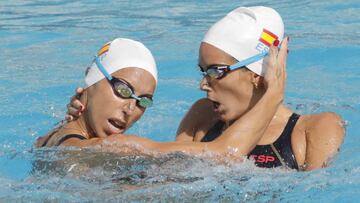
[[45, 47]]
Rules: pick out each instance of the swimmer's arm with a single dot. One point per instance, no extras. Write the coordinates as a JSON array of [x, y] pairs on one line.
[[238, 140], [324, 135], [245, 133], [128, 143], [116, 143], [242, 136]]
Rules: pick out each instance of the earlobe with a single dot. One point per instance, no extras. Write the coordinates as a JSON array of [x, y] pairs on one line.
[[256, 80]]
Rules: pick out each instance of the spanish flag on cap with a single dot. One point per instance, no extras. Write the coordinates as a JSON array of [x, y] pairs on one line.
[[118, 54], [268, 38], [104, 49]]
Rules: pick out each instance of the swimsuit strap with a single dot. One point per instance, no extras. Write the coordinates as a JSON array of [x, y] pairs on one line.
[[45, 139], [66, 137], [289, 126], [283, 144]]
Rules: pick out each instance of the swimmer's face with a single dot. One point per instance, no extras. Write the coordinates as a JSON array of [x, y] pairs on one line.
[[233, 94], [107, 113]]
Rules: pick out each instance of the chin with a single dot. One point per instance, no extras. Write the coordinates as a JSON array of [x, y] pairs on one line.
[[102, 134], [224, 117], [229, 117]]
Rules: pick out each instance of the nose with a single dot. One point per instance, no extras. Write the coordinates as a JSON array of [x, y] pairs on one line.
[[130, 106], [204, 84]]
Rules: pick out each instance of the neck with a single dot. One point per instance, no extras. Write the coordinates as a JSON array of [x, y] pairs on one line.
[[80, 123], [281, 115]]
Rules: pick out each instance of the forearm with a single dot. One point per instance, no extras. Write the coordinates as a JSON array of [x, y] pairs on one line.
[[239, 139], [131, 143], [246, 131], [188, 147]]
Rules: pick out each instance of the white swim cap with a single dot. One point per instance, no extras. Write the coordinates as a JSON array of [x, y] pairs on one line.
[[118, 54], [246, 32]]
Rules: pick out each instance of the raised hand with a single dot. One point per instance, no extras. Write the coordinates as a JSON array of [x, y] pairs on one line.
[[275, 76], [75, 107]]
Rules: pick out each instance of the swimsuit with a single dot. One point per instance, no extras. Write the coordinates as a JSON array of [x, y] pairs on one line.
[[65, 137], [58, 141], [279, 153]]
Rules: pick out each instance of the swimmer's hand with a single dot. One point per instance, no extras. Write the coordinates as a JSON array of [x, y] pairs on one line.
[[75, 107], [275, 76]]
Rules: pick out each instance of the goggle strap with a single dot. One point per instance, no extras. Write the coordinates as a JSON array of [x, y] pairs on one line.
[[102, 69], [248, 61]]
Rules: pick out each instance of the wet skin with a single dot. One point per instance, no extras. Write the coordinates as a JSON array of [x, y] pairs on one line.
[[105, 113], [239, 138], [315, 139]]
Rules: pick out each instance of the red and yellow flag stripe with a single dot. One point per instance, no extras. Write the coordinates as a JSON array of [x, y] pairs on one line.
[[267, 37], [104, 49]]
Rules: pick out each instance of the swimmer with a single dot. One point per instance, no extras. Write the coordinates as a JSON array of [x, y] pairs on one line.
[[120, 84], [301, 142]]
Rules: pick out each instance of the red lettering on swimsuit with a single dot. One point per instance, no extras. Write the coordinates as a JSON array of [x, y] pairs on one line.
[[269, 159], [263, 158]]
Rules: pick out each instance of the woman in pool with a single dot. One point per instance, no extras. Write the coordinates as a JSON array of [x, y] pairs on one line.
[[108, 111], [120, 84], [299, 142]]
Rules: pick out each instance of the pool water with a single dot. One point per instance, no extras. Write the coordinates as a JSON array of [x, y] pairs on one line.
[[46, 46]]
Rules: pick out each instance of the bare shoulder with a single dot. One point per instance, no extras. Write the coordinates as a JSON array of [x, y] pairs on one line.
[[324, 124], [60, 136], [200, 116], [48, 139], [324, 134]]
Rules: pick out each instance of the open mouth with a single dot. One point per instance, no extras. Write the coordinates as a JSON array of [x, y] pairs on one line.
[[216, 105], [117, 126]]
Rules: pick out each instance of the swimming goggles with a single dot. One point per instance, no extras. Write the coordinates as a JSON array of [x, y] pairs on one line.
[[123, 88], [219, 71]]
